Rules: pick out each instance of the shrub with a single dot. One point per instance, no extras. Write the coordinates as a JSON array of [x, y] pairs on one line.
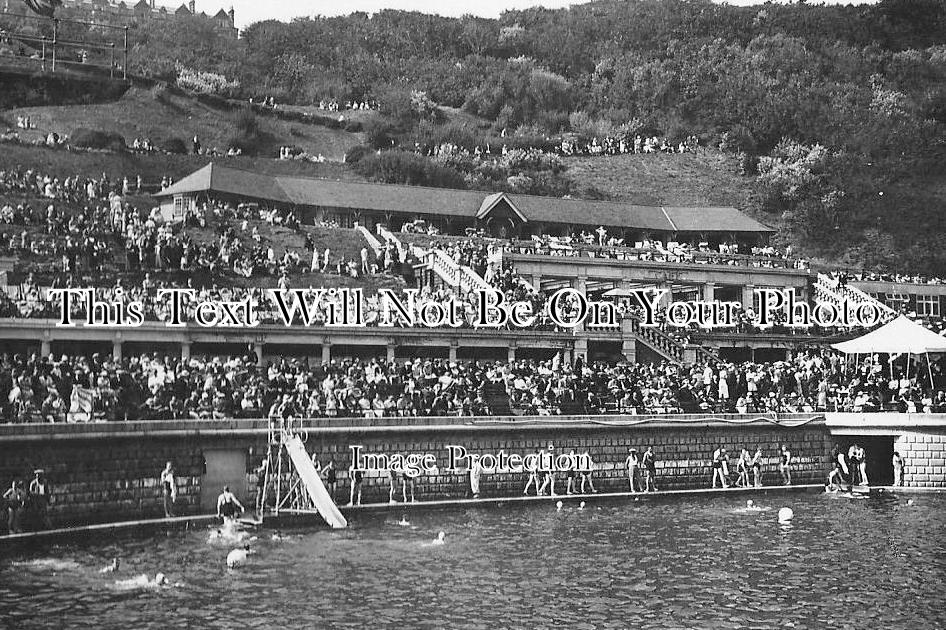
[[97, 139], [402, 167], [172, 145]]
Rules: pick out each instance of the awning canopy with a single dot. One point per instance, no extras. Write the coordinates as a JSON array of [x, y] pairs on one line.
[[900, 336]]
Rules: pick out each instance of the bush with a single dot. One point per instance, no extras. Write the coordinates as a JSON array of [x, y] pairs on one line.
[[172, 145], [354, 154], [402, 167], [97, 139]]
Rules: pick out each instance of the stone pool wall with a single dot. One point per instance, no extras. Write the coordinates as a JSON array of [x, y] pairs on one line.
[[106, 472]]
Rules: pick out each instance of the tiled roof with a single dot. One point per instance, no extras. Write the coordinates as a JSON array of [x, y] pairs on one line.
[[304, 191]]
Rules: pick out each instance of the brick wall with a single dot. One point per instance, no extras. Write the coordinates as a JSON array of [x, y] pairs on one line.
[[924, 455], [115, 474]]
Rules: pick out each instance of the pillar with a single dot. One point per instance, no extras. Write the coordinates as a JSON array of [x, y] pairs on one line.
[[326, 352], [453, 352], [581, 350], [45, 348], [629, 349], [709, 292], [748, 294], [117, 350], [580, 283], [537, 281], [390, 352], [185, 350], [258, 350], [511, 356]]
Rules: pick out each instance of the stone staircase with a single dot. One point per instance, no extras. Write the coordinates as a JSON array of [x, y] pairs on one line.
[[828, 289], [668, 347], [460, 278]]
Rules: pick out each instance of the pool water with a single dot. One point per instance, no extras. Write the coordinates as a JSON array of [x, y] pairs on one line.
[[700, 562]]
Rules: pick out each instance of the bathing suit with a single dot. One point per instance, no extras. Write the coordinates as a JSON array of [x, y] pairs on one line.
[[358, 476], [330, 476]]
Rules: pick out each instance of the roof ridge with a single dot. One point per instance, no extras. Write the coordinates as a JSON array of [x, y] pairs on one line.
[[669, 220]]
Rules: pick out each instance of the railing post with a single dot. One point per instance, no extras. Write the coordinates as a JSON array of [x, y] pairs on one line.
[[125, 61], [111, 60], [55, 39], [44, 53]]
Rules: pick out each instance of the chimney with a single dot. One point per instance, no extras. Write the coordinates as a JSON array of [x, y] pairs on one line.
[[152, 5], [192, 5], [232, 16]]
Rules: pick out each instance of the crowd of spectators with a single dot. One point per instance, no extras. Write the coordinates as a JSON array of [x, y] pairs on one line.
[[619, 145], [156, 387]]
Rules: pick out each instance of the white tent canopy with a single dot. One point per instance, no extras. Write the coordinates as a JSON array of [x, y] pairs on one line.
[[901, 336]]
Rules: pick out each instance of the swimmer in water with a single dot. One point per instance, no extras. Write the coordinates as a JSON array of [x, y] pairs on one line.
[[440, 539], [112, 567], [142, 581], [404, 522], [238, 557]]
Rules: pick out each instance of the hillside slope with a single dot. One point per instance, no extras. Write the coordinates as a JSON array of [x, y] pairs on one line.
[[161, 114], [705, 178]]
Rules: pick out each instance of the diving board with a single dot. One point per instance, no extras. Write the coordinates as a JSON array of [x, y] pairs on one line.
[[312, 482]]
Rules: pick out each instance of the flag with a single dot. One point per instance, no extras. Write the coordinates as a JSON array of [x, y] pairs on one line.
[[44, 7], [80, 408]]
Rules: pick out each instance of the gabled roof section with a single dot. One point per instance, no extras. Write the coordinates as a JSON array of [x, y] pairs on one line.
[[586, 212], [381, 197], [469, 204], [722, 219], [182, 10], [230, 181], [222, 14], [494, 200]]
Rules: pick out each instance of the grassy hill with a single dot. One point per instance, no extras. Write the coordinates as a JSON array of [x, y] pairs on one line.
[[158, 113], [152, 167], [707, 177]]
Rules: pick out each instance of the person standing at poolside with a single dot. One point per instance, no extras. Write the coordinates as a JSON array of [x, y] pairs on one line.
[[355, 477], [533, 476], [862, 464], [15, 499], [169, 489], [757, 466], [40, 497], [586, 474], [742, 468], [261, 485], [410, 479], [331, 478], [719, 467], [633, 463], [572, 474], [650, 470], [475, 471], [897, 469], [548, 469], [785, 465]]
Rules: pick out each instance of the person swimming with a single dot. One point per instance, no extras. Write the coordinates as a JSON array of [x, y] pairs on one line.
[[440, 540], [404, 522], [111, 567], [142, 581], [238, 557]]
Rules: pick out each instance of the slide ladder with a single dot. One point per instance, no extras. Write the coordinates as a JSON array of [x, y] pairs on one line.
[[310, 479]]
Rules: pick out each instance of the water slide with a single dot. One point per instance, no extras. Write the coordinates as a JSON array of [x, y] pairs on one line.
[[313, 483]]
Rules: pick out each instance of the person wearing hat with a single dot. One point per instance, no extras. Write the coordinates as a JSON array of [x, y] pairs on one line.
[[40, 497]]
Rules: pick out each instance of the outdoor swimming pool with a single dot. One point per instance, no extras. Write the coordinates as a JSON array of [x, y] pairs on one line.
[[669, 562]]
